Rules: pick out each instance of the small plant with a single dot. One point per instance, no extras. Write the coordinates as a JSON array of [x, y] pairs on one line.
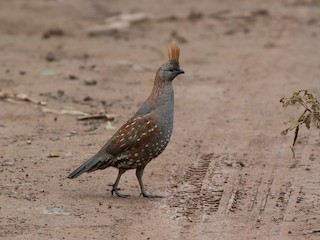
[[310, 115]]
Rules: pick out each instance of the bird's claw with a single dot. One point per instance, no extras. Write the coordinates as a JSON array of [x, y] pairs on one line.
[[115, 190], [143, 194]]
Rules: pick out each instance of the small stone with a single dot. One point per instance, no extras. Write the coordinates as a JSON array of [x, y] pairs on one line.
[[51, 57], [7, 163], [55, 211], [241, 164], [87, 99], [90, 82], [73, 77], [195, 16], [72, 133], [57, 32], [60, 93]]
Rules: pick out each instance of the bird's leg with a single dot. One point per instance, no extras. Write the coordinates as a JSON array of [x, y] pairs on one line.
[[139, 173], [115, 185]]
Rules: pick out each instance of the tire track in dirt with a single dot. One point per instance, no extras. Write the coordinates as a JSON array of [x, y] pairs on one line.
[[213, 187], [283, 200], [216, 190], [202, 189], [259, 201], [301, 218], [236, 194], [204, 194]]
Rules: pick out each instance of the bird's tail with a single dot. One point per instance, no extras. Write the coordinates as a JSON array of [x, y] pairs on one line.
[[92, 164]]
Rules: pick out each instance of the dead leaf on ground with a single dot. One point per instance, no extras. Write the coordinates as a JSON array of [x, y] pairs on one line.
[[64, 111], [109, 126], [54, 155], [83, 115], [13, 97], [97, 116]]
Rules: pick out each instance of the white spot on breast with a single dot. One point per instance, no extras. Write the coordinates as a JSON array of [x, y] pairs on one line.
[[148, 122], [147, 145], [121, 139], [136, 154], [138, 139]]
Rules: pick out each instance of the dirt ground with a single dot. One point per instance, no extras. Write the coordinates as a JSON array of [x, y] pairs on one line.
[[226, 174]]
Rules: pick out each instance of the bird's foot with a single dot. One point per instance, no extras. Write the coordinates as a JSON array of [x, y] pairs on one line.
[[144, 194], [115, 190]]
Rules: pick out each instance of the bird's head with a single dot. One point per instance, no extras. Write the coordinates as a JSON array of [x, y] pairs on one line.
[[171, 69]]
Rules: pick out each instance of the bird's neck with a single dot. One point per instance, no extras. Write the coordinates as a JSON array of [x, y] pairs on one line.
[[162, 92]]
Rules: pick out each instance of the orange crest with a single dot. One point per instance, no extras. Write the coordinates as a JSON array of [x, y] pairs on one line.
[[173, 52]]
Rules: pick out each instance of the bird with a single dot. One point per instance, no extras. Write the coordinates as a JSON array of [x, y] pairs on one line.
[[145, 135]]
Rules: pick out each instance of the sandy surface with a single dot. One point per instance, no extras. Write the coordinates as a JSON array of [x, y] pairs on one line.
[[226, 174]]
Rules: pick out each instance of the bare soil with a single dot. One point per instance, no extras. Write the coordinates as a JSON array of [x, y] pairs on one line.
[[226, 174]]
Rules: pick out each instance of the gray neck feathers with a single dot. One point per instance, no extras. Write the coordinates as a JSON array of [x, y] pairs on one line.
[[161, 99]]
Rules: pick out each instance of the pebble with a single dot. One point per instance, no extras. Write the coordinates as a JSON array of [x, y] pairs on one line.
[[73, 77], [90, 82], [51, 57], [7, 164]]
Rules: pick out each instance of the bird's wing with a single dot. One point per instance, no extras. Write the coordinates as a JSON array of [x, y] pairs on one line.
[[137, 130]]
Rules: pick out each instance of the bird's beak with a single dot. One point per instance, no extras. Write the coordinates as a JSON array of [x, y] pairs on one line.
[[180, 72]]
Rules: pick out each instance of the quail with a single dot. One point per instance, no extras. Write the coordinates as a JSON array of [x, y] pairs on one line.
[[145, 135]]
